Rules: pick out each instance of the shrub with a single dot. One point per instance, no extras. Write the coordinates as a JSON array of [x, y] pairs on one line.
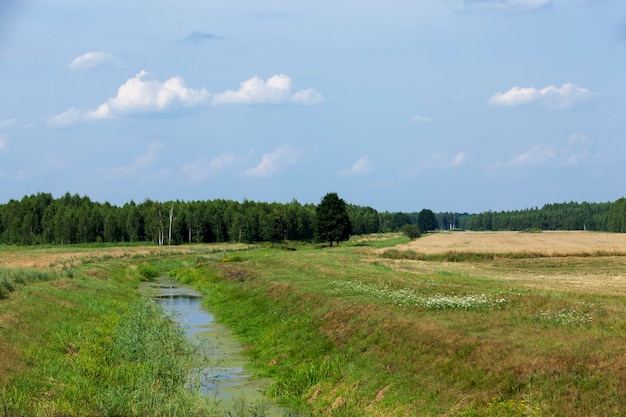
[[148, 272], [411, 231]]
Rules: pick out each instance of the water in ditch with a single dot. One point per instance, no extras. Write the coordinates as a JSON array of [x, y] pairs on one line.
[[221, 374]]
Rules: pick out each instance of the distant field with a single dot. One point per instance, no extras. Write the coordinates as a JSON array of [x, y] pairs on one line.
[[566, 260], [551, 243], [72, 256]]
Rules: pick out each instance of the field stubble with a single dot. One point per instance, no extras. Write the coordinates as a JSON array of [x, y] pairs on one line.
[[576, 260]]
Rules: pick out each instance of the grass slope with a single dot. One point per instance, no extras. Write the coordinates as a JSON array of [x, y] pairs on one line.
[[347, 332]]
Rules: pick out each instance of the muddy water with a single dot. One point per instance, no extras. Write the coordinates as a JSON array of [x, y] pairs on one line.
[[221, 373]]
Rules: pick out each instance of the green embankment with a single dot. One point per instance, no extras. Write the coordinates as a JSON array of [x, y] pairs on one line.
[[343, 332], [85, 344]]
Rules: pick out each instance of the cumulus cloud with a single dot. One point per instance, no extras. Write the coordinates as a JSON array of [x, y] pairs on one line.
[[90, 60], [277, 89], [441, 160], [69, 117], [202, 169], [575, 150], [139, 165], [418, 118], [7, 123], [362, 166], [196, 37], [505, 5], [578, 150], [534, 156], [138, 96], [275, 162], [551, 96]]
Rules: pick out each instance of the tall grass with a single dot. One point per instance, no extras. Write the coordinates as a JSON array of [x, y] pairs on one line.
[[341, 331], [345, 336], [11, 278], [91, 347]]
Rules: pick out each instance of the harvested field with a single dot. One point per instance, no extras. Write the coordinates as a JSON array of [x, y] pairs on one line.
[[550, 243], [569, 260], [71, 256]]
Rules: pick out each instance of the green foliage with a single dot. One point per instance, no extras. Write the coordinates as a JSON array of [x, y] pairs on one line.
[[95, 349], [426, 221], [411, 231], [297, 380], [332, 221], [560, 216], [232, 258], [11, 278], [147, 271]]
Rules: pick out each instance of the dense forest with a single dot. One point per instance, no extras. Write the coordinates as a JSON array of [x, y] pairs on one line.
[[70, 219]]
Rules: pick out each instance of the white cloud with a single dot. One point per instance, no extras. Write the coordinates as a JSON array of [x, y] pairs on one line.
[[90, 59], [505, 5], [152, 96], [573, 151], [138, 96], [139, 165], [550, 96], [277, 89], [69, 117], [458, 160], [274, 163], [361, 167], [578, 151], [418, 118], [202, 169], [534, 156], [441, 160], [7, 123], [578, 139]]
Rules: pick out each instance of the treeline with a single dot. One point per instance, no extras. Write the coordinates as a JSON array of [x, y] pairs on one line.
[[71, 219], [559, 216]]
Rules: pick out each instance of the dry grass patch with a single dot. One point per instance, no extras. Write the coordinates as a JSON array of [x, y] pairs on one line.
[[550, 243], [60, 257], [576, 260]]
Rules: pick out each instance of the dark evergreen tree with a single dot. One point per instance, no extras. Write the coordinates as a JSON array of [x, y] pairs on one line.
[[332, 223], [426, 221], [411, 231]]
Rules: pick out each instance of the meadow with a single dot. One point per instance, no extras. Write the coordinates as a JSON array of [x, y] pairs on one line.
[[452, 324]]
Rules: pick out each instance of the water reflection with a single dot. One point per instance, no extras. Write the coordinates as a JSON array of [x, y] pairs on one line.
[[224, 377]]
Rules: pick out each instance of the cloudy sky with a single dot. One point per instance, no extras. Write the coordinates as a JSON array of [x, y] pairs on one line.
[[452, 105]]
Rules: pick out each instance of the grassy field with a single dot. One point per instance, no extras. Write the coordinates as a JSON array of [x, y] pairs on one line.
[[453, 324]]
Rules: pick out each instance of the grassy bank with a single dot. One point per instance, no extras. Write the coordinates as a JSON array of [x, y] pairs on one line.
[[348, 332], [85, 344], [343, 331]]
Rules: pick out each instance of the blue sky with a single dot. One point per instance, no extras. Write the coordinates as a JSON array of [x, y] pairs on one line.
[[400, 105]]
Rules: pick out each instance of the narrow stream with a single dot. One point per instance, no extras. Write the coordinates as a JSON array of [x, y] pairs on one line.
[[221, 374]]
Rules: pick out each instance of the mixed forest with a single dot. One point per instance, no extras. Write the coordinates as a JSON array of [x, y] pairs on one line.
[[73, 219]]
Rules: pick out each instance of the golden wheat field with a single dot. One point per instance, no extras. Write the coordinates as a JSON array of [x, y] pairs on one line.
[[562, 260], [550, 243], [72, 256]]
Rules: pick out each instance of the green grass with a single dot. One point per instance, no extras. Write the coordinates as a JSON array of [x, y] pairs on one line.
[[416, 344], [92, 347], [341, 331]]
